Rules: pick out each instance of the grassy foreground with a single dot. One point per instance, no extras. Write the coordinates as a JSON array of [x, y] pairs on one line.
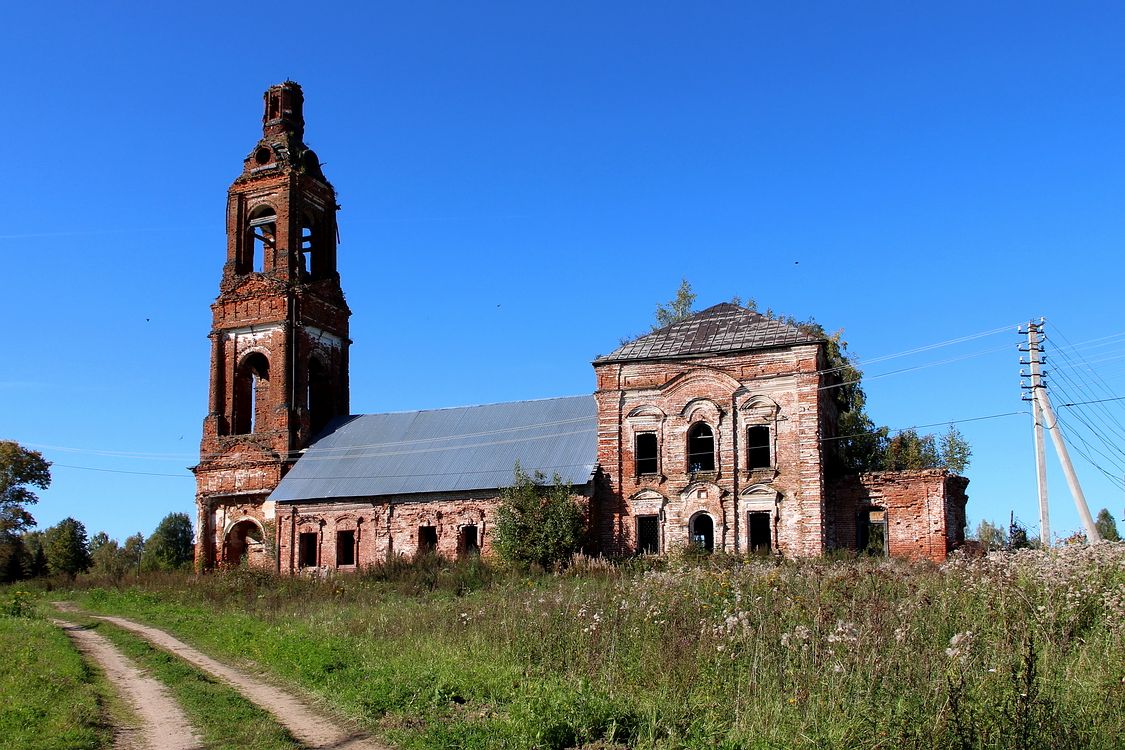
[[49, 699], [1012, 651]]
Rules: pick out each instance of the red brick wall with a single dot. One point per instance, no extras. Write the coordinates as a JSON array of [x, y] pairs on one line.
[[388, 527], [925, 510], [729, 393]]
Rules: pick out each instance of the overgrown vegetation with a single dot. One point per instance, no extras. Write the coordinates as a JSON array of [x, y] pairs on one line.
[[1021, 650], [537, 523]]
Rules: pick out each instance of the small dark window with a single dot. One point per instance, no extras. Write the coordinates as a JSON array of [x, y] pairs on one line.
[[645, 453], [345, 548], [467, 541], [758, 447], [700, 448], [759, 530], [648, 535], [262, 155], [871, 531], [427, 538], [306, 554]]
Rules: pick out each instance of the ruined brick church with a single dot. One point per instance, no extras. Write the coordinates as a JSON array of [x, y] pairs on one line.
[[714, 430]]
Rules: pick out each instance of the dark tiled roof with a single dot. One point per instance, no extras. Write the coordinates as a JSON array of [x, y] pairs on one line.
[[722, 329], [446, 450]]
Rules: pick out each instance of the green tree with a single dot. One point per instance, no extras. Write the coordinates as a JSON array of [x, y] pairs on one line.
[[677, 308], [67, 549], [1107, 526], [909, 450], [20, 469], [108, 559], [35, 562], [991, 536], [169, 547], [537, 524], [955, 451], [132, 552]]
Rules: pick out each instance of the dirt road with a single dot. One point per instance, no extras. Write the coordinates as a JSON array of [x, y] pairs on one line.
[[163, 724], [312, 728]]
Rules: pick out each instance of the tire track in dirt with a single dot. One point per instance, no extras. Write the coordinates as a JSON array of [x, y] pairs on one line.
[[312, 729], [164, 724]]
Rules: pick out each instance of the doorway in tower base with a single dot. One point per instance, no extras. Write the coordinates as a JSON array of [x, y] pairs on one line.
[[244, 545]]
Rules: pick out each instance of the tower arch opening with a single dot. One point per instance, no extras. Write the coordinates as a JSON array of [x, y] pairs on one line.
[[260, 240], [320, 400], [251, 393]]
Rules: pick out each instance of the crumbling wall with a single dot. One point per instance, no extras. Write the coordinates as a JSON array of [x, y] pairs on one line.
[[924, 511]]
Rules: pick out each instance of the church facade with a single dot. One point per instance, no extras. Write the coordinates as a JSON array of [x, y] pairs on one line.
[[715, 430]]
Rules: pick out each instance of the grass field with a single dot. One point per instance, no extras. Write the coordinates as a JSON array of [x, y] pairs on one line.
[[1013, 651], [49, 699]]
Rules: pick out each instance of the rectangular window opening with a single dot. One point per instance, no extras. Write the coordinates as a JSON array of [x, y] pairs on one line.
[[758, 525], [648, 535], [306, 549], [871, 535], [345, 548], [758, 447], [467, 542], [427, 538], [645, 453]]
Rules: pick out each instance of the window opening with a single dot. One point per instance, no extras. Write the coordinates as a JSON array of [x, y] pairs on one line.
[[703, 532], [701, 448], [345, 548], [645, 452], [761, 539], [261, 236], [758, 447], [648, 535], [306, 554], [427, 539], [468, 543], [251, 391], [871, 534], [306, 246], [319, 399]]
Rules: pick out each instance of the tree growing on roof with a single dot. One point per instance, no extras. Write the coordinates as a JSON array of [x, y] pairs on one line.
[[537, 523]]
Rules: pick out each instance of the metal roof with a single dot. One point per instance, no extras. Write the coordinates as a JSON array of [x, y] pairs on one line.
[[446, 450], [721, 329]]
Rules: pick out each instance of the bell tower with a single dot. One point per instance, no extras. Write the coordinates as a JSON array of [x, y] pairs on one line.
[[279, 337]]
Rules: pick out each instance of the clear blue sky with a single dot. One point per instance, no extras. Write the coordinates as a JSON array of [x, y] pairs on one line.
[[522, 183]]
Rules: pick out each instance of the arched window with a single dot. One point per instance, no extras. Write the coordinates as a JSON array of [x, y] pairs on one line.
[[700, 448], [251, 390], [321, 404], [703, 531], [307, 260], [261, 237]]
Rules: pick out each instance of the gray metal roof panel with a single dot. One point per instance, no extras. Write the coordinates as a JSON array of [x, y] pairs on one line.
[[446, 450], [725, 328]]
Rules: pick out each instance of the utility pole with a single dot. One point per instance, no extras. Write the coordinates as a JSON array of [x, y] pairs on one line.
[[1051, 423], [1034, 349]]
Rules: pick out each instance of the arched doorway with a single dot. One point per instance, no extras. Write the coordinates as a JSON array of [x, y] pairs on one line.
[[244, 543], [703, 531]]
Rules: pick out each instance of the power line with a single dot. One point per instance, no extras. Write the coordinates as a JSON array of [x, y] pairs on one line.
[[933, 424]]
